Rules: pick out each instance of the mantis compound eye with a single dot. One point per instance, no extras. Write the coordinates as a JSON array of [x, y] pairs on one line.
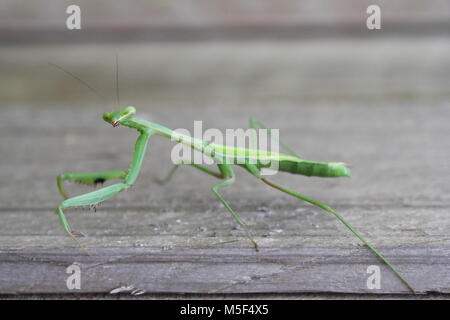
[[107, 116]]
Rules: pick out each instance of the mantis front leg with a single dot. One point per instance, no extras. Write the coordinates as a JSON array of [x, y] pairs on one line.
[[89, 178], [95, 197]]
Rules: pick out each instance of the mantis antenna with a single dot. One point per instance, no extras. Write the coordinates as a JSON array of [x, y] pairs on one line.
[[87, 85], [79, 79], [117, 79]]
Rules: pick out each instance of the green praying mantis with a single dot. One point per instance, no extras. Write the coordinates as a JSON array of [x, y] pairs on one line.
[[224, 156]]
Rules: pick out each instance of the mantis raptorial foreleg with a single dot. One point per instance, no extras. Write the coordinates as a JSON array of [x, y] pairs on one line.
[[90, 178], [95, 197], [87, 199]]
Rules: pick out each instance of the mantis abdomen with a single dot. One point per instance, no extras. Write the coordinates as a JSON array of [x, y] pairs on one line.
[[316, 169]]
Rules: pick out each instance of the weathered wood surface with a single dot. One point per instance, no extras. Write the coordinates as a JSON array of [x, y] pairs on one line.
[[381, 105], [217, 269]]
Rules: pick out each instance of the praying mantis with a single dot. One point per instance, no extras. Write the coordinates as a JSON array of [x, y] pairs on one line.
[[224, 156]]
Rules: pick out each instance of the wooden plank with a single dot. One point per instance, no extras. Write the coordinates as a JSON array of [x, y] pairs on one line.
[[213, 270]]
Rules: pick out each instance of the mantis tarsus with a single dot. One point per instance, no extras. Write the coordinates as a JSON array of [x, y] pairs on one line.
[[286, 162]]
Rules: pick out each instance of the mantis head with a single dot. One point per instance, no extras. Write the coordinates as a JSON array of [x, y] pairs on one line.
[[115, 117]]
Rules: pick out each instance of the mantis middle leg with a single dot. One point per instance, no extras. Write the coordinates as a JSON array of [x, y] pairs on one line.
[[199, 167], [226, 173], [229, 176]]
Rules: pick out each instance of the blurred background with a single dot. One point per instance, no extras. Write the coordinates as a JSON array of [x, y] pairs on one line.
[[209, 52]]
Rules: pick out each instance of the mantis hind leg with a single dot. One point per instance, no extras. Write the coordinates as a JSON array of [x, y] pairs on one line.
[[256, 124], [228, 174], [255, 171], [89, 178]]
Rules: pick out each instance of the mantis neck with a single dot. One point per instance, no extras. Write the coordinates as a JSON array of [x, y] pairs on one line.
[[143, 125]]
